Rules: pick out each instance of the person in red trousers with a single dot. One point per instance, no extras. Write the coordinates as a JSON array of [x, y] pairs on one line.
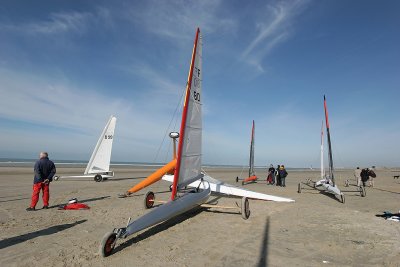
[[44, 172]]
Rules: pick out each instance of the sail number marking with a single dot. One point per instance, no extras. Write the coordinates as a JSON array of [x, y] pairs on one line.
[[196, 96], [108, 136]]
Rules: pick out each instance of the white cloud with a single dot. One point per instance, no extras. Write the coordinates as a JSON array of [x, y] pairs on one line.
[[274, 28], [62, 22], [177, 20], [74, 117]]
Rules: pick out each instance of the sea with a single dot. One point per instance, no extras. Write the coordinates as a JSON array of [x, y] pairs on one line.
[[21, 162]]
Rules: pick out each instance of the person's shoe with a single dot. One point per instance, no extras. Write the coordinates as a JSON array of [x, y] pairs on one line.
[[30, 209], [45, 207]]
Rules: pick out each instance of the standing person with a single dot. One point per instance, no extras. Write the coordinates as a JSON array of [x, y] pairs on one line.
[[44, 172], [282, 174], [364, 176], [357, 176], [372, 176], [278, 179], [271, 175]]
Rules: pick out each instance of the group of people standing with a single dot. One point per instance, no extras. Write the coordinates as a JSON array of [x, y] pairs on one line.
[[277, 176], [364, 175]]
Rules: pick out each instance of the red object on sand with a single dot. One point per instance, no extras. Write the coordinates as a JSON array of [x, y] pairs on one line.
[[76, 206], [250, 179]]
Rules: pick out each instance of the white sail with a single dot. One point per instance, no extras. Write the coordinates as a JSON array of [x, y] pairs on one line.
[[189, 151], [100, 160]]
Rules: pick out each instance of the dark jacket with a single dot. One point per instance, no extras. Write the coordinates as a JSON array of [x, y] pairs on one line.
[[364, 175], [44, 169], [282, 173]]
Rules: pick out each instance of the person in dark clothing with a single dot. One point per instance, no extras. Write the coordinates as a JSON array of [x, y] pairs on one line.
[[271, 175], [44, 172], [364, 176], [278, 179], [282, 174]]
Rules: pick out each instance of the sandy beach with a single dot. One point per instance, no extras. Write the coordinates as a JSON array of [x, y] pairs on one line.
[[316, 230]]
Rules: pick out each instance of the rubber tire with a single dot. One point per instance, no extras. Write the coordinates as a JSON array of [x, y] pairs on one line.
[[363, 192], [346, 183], [245, 210], [299, 188], [237, 179], [98, 178], [342, 199], [170, 188], [149, 196], [106, 247], [242, 182], [56, 178]]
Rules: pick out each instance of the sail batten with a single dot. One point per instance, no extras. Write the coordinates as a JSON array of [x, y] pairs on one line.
[[188, 167]]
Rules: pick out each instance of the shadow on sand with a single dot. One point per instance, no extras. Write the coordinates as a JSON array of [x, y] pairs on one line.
[[375, 188], [124, 178], [11, 241], [158, 228], [263, 261], [15, 199]]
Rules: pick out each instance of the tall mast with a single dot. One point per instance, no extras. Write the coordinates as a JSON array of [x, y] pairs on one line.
[[329, 143], [251, 161]]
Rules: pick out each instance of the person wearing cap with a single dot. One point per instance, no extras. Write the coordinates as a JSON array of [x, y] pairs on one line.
[[357, 176], [44, 172], [282, 174]]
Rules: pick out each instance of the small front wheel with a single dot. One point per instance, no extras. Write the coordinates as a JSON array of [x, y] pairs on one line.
[[342, 198], [107, 244], [237, 179], [98, 178], [149, 200], [299, 188], [245, 208]]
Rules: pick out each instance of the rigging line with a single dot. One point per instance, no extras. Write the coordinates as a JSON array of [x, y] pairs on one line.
[[173, 129], [167, 129]]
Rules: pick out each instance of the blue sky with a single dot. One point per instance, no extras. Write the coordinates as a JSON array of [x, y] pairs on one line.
[[66, 66]]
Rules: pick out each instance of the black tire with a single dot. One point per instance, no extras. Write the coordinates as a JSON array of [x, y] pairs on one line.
[[56, 178], [107, 244], [346, 183], [237, 179], [149, 200], [299, 188], [342, 199], [363, 192], [170, 188], [98, 178], [245, 209]]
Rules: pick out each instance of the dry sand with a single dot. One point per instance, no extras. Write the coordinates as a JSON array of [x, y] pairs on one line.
[[315, 229]]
